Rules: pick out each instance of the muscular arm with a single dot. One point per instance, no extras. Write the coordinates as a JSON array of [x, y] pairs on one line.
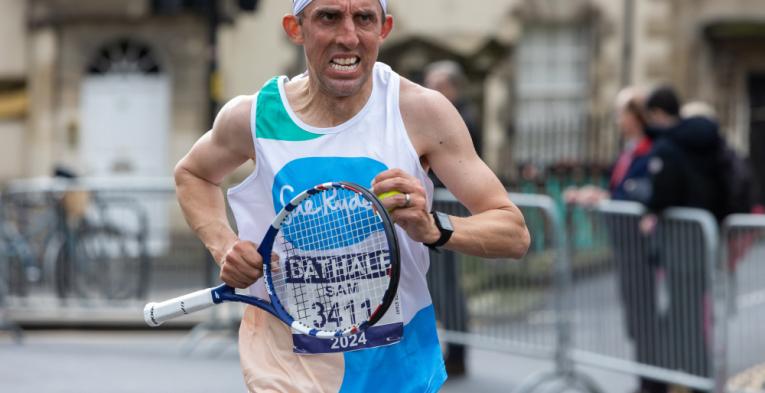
[[198, 176], [496, 227]]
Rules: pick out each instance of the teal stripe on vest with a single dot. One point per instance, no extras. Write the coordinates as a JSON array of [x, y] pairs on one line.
[[272, 120]]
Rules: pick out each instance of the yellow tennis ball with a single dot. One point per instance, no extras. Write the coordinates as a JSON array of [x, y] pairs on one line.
[[387, 194]]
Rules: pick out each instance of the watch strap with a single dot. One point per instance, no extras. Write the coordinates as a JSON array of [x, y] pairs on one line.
[[445, 234]]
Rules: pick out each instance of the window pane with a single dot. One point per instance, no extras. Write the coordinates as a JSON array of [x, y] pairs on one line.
[[552, 90]]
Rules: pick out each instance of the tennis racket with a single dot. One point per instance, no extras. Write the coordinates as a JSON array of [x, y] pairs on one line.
[[337, 272]]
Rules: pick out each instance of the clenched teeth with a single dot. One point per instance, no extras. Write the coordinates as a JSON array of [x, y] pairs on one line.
[[344, 68], [346, 61]]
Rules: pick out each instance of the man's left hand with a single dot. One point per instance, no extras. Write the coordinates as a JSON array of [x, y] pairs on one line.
[[409, 209]]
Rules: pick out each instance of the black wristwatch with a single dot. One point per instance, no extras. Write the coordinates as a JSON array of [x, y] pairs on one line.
[[444, 225]]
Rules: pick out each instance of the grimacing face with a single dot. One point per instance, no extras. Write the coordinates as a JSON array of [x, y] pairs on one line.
[[341, 39]]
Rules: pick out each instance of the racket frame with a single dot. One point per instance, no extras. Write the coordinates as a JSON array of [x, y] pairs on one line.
[[226, 293]]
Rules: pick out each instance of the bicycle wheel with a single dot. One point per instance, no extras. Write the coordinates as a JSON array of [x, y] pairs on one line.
[[57, 264], [108, 264]]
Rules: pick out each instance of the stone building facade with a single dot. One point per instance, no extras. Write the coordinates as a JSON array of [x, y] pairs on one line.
[[113, 88], [543, 72]]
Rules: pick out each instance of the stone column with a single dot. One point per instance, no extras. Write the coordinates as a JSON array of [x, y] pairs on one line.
[[39, 154]]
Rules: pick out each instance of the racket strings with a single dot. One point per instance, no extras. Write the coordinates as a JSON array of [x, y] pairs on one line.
[[335, 256], [301, 302]]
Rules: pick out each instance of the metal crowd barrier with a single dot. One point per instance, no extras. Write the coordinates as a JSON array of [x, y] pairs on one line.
[[91, 251], [518, 307], [672, 304], [743, 260], [678, 302], [647, 302]]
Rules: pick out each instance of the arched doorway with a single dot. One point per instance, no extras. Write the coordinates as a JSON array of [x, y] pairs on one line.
[[125, 127]]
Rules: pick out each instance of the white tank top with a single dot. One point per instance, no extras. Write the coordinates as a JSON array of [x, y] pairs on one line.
[[292, 156]]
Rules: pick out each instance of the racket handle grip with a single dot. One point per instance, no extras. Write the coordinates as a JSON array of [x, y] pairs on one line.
[[156, 314]]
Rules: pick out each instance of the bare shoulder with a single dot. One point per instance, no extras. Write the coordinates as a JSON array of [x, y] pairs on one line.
[[232, 125], [235, 114], [413, 95], [419, 105], [430, 119]]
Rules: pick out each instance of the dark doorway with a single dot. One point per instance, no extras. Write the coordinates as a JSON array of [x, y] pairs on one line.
[[756, 85]]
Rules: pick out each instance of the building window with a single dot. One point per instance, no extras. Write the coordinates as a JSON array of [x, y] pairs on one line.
[[552, 93], [124, 56]]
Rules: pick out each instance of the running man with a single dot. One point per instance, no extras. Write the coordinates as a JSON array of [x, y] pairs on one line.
[[349, 118]]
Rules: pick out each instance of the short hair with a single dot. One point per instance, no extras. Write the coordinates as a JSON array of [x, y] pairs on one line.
[[451, 68], [300, 15], [665, 99], [698, 109]]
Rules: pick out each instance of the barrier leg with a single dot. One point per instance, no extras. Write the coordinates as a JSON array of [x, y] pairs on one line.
[[554, 382]]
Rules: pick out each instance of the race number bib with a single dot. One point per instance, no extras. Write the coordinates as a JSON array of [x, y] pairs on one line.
[[389, 330], [333, 288]]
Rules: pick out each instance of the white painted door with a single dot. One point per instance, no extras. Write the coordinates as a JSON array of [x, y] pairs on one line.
[[125, 125]]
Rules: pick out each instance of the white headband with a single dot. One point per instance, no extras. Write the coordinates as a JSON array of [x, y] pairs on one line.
[[299, 5]]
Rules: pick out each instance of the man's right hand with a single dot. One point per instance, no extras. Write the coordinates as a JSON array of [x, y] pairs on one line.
[[242, 265], [587, 196]]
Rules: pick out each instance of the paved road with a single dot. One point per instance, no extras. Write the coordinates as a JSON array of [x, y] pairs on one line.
[[151, 361], [82, 362]]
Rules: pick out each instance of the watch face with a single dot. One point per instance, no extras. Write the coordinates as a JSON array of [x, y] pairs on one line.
[[444, 222]]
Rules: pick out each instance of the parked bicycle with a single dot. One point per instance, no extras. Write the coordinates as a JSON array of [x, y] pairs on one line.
[[86, 244], [18, 266]]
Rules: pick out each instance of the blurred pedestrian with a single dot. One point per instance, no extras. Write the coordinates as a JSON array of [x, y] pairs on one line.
[[735, 171], [630, 180], [447, 78], [683, 168], [684, 172], [629, 174]]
